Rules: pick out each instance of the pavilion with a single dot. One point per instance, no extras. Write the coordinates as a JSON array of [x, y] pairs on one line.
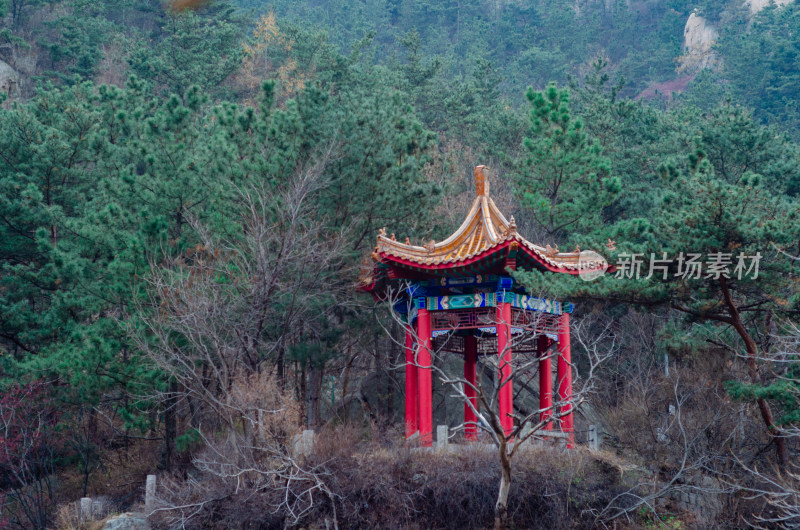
[[457, 296]]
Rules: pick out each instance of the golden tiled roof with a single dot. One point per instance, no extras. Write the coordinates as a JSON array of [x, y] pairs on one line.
[[484, 228]]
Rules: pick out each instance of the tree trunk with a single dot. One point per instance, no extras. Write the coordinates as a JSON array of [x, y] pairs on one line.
[[380, 372], [302, 391], [125, 394], [501, 507], [170, 428], [91, 435], [346, 376], [755, 378], [281, 362], [396, 353], [390, 398], [315, 389]]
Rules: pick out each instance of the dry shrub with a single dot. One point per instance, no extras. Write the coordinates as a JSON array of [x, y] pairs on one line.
[[684, 429], [245, 471], [341, 440], [375, 484], [68, 517]]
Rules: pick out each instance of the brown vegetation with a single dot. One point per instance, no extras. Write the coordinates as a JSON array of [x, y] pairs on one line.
[[374, 478]]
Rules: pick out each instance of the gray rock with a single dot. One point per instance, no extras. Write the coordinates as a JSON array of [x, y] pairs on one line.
[[127, 521], [9, 79], [441, 437], [758, 5], [699, 37]]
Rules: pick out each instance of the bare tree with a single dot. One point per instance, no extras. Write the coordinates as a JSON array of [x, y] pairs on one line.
[[782, 494], [676, 427], [214, 323], [252, 463], [781, 491], [597, 349], [28, 450], [229, 306], [675, 435]]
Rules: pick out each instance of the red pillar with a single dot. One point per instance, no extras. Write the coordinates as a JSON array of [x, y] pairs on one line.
[[545, 382], [565, 378], [424, 378], [506, 397], [412, 407], [470, 376]]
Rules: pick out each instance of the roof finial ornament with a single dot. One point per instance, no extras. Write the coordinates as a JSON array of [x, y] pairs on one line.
[[482, 180], [511, 229]]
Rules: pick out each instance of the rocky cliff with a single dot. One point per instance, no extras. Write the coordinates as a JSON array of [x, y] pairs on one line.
[[9, 80], [698, 39], [757, 5]]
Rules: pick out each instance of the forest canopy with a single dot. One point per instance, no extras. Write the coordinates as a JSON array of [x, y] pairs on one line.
[[190, 190]]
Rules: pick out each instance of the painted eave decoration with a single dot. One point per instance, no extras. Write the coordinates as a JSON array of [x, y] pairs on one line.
[[485, 242]]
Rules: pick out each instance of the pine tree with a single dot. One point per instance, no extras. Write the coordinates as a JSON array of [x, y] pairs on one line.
[[564, 179], [710, 211], [196, 49]]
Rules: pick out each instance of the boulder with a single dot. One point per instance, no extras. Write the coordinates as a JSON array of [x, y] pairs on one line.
[[127, 521]]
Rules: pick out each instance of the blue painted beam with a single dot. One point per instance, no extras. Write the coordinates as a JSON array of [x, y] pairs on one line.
[[475, 300]]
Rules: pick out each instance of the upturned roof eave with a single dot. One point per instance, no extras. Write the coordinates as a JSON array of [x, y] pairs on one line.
[[388, 258], [484, 232]]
